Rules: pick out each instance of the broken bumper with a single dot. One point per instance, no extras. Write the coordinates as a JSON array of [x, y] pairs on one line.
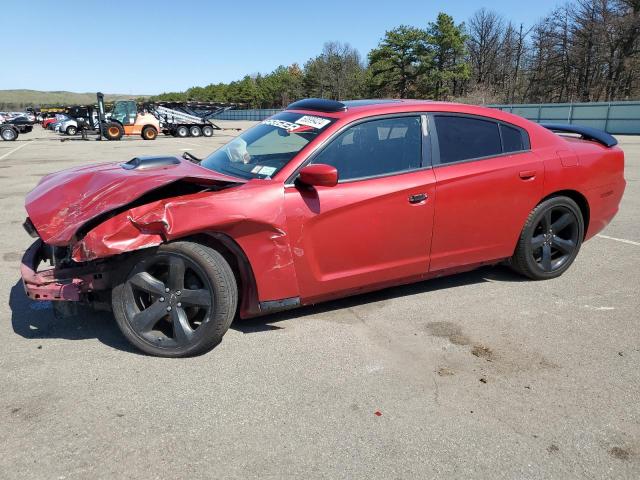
[[70, 284]]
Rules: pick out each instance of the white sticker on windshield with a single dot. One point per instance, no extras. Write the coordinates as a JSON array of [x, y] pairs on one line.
[[315, 122], [280, 124], [267, 171], [256, 169]]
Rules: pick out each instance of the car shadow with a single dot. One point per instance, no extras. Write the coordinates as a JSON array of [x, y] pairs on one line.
[[36, 319], [498, 273]]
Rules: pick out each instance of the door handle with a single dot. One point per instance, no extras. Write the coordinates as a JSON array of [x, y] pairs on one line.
[[528, 174], [417, 198]]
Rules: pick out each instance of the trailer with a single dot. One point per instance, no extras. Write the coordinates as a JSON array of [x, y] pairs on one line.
[[187, 119]]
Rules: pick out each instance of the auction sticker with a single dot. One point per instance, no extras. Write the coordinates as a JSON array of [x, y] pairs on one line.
[[315, 122], [267, 171]]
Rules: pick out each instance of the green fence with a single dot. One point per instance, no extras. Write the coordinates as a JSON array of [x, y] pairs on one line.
[[615, 117], [252, 114], [622, 118]]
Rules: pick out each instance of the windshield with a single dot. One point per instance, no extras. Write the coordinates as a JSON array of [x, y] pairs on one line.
[[263, 150]]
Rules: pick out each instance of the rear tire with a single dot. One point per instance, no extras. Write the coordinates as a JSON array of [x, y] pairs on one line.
[[71, 130], [195, 131], [8, 133], [113, 131], [207, 131], [177, 301], [149, 133], [550, 240]]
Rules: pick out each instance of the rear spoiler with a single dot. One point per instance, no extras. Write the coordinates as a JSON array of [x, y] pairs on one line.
[[586, 133]]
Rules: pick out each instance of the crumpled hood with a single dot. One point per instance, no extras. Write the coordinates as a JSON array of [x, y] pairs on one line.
[[63, 202]]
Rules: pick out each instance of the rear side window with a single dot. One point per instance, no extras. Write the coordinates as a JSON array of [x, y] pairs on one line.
[[465, 138], [513, 139]]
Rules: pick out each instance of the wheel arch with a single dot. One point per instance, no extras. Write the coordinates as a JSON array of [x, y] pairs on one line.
[[577, 197], [233, 253]]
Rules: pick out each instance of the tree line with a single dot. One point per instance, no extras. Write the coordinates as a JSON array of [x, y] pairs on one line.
[[586, 50]]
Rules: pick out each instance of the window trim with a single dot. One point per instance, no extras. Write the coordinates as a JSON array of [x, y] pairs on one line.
[[435, 147], [425, 153]]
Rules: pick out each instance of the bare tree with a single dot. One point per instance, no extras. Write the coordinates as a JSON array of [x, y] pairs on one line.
[[484, 30]]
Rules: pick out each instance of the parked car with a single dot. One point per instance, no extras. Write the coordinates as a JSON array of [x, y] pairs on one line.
[[8, 132], [22, 124], [68, 126], [59, 119], [323, 200], [48, 121]]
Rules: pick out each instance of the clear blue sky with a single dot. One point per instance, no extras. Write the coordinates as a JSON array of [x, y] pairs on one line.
[[120, 46]]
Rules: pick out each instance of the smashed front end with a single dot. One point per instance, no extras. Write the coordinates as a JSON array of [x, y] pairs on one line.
[[57, 282], [66, 207]]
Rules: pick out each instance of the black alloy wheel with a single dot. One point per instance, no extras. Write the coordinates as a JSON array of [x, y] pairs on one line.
[[550, 239], [178, 301], [555, 238]]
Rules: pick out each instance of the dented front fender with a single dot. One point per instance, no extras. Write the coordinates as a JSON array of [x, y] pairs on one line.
[[258, 227]]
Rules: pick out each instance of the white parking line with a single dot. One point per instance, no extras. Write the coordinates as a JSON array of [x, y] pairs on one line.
[[623, 240], [14, 150]]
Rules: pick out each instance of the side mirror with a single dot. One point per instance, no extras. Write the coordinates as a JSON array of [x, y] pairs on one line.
[[319, 175]]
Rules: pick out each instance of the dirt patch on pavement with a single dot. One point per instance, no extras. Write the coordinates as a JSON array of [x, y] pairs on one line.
[[619, 453], [481, 351], [448, 330]]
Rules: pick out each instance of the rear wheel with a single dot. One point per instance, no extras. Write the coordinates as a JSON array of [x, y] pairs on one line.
[[177, 301], [8, 133], [149, 133], [550, 239], [195, 131], [207, 131], [182, 131], [71, 130], [113, 131]]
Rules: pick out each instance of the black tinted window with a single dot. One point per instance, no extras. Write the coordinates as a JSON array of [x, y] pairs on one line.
[[374, 148], [464, 138], [512, 139]]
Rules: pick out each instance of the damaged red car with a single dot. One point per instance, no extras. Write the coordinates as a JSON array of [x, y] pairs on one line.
[[323, 200]]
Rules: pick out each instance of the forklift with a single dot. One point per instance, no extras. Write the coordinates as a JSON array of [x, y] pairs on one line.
[[126, 120]]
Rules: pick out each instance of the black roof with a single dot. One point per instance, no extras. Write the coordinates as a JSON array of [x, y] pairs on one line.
[[325, 105], [318, 104]]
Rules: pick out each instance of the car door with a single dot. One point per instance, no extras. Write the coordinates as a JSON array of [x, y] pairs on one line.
[[374, 227], [487, 182]]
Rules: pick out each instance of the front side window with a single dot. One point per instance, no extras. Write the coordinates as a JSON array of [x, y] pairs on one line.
[[374, 148], [465, 138], [263, 150]]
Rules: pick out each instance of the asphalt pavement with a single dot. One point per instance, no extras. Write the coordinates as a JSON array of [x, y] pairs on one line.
[[477, 375]]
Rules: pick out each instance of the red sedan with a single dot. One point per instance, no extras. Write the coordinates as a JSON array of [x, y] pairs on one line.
[[323, 200], [48, 121]]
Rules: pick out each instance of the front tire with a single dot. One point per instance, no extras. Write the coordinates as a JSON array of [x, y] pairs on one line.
[[177, 301], [71, 130], [113, 131], [550, 240]]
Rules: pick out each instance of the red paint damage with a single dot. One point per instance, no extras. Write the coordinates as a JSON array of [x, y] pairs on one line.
[[65, 201]]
